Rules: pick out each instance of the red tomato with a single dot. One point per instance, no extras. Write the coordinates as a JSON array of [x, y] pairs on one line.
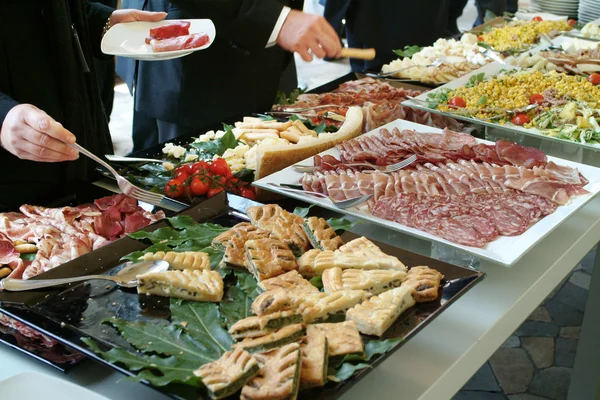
[[248, 193], [174, 188], [537, 19], [480, 38], [572, 22], [536, 98], [520, 119], [214, 191], [198, 186], [219, 181], [457, 102], [200, 166], [186, 168], [594, 78], [220, 167]]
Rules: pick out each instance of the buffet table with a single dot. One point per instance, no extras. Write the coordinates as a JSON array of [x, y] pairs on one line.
[[438, 361]]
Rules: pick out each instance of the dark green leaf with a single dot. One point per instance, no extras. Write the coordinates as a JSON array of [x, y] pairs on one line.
[[346, 371], [201, 321], [317, 282], [436, 98], [375, 347], [303, 211], [161, 235], [320, 128], [282, 99], [341, 224], [246, 175], [28, 256], [475, 80], [408, 51], [247, 283], [206, 150], [236, 305], [135, 256], [267, 118]]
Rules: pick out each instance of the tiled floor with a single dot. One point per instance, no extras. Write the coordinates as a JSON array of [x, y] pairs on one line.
[[536, 362]]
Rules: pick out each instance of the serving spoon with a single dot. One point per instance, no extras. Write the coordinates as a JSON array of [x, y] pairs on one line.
[[127, 277]]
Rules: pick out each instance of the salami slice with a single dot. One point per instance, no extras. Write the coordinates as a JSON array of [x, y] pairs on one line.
[[546, 206], [482, 225], [530, 212], [454, 231], [507, 221]]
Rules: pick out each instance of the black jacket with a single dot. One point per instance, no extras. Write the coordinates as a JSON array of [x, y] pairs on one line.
[[40, 64], [235, 76]]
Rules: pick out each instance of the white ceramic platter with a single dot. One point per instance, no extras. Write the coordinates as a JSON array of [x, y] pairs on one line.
[[504, 250], [129, 40], [36, 386]]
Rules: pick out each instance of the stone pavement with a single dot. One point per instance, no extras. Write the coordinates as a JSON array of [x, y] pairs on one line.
[[536, 362]]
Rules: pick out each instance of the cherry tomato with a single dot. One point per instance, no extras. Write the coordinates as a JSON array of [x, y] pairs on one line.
[[248, 193], [175, 188], [214, 191], [198, 186], [594, 78], [457, 102], [200, 166], [220, 167], [537, 19], [536, 98], [233, 185], [186, 168], [520, 119], [572, 22], [480, 38], [219, 181]]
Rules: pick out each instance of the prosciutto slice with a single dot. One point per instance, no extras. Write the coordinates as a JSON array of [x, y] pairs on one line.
[[8, 253], [179, 43]]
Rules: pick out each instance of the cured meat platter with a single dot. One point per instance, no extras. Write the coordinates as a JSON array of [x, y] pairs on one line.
[[78, 315], [505, 249], [423, 101]]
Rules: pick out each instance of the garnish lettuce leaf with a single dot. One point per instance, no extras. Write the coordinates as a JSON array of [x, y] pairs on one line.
[[207, 150], [408, 51]]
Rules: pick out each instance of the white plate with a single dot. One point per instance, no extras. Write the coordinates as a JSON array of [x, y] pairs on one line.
[[504, 250], [491, 69], [129, 39], [545, 16], [36, 386]]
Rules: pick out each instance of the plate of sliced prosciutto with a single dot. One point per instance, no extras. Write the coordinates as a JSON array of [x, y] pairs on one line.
[[494, 200], [155, 41]]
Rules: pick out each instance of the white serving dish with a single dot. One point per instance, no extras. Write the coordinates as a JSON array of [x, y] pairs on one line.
[[36, 386]]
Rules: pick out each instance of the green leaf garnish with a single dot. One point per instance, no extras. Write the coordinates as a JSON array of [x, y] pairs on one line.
[[408, 51], [28, 256], [341, 224], [302, 211], [482, 100], [207, 150], [317, 282], [475, 80]]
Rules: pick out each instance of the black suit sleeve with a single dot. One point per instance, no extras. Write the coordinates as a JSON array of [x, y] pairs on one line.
[[6, 104], [246, 23], [97, 15]]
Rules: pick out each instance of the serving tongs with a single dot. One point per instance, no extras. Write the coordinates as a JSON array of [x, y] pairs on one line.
[[382, 168]]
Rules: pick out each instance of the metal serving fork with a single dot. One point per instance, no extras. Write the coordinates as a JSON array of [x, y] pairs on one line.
[[116, 158], [304, 109], [436, 63], [387, 168], [130, 189], [339, 204]]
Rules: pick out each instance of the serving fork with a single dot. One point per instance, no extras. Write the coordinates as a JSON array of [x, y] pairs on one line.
[[130, 189], [387, 168], [339, 204], [116, 158]]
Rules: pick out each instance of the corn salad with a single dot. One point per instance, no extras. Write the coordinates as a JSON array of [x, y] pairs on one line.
[[520, 35]]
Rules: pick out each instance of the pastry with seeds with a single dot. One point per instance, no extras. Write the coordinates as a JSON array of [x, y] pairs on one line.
[[321, 235], [374, 281], [425, 283], [289, 281], [315, 357], [228, 374], [183, 260], [232, 243], [268, 258], [285, 335], [278, 377], [318, 306], [368, 249], [195, 285], [342, 338], [282, 225], [259, 326], [376, 315]]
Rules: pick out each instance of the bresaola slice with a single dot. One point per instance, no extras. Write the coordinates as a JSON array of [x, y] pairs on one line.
[[171, 30], [180, 43]]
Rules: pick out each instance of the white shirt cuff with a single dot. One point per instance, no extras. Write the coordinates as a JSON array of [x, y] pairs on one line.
[[278, 25]]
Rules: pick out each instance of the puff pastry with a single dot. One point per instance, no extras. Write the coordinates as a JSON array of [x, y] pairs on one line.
[[342, 338], [314, 262], [321, 235], [374, 281], [424, 282], [232, 243], [291, 280], [271, 301], [229, 373], [285, 335], [365, 248], [268, 258], [196, 285], [376, 315], [259, 326], [183, 260], [315, 357], [318, 306], [278, 377], [282, 225]]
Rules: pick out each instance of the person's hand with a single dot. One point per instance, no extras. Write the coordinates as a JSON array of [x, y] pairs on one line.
[[127, 15], [31, 134], [302, 32]]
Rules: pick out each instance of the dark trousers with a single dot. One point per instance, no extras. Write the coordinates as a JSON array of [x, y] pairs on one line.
[[148, 131], [497, 7]]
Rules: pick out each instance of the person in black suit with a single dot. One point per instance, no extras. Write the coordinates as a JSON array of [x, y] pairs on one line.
[[48, 90], [238, 74], [496, 7], [105, 71], [389, 24]]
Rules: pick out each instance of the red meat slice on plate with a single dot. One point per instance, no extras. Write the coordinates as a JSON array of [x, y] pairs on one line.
[[134, 222], [8, 253], [180, 43], [174, 29]]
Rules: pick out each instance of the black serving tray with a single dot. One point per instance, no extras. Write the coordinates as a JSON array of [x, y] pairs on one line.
[[76, 313], [61, 356]]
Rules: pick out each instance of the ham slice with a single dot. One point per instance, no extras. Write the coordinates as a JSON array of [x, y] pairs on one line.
[[8, 253], [174, 29], [180, 43]]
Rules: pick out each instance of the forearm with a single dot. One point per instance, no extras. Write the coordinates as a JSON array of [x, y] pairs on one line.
[[6, 104]]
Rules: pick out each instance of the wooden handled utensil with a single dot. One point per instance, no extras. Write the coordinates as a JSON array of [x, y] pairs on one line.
[[361, 54]]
